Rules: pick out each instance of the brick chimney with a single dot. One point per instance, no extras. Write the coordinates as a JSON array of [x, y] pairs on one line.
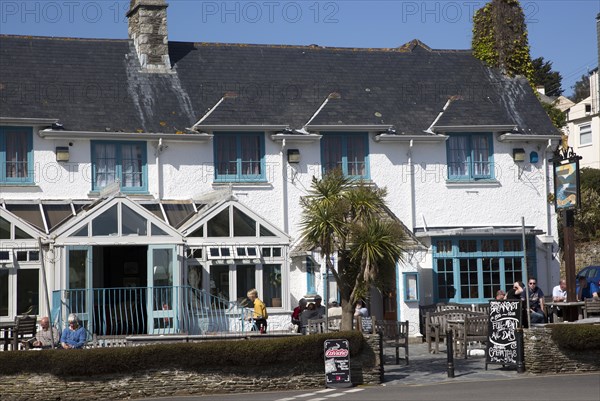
[[148, 30]]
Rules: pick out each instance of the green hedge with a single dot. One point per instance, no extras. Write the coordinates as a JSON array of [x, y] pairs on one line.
[[580, 337], [200, 356]]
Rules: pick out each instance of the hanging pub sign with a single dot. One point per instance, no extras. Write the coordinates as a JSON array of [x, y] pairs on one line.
[[566, 185], [566, 177], [337, 363], [504, 320]]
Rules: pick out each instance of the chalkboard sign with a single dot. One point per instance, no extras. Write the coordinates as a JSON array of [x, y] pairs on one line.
[[366, 324], [337, 363], [505, 318]]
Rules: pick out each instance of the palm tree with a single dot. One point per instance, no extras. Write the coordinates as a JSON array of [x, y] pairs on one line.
[[350, 218]]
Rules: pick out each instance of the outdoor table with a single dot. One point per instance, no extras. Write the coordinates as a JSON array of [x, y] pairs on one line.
[[566, 306], [6, 328]]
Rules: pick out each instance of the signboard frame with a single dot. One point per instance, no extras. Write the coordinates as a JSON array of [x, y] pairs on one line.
[[566, 185], [337, 363], [505, 317]]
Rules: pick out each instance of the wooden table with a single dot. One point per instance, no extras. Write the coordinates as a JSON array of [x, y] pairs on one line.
[[6, 328], [566, 307]]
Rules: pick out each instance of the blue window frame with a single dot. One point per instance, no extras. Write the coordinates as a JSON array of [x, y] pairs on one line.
[[239, 156], [122, 161], [346, 151], [472, 269], [16, 155], [470, 156], [411, 286], [310, 275]]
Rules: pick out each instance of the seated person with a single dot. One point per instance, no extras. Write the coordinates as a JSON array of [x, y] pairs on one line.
[[587, 290], [46, 336], [500, 295], [319, 307], [361, 309], [335, 310], [559, 294], [309, 313], [536, 302], [516, 292], [296, 313], [74, 336]]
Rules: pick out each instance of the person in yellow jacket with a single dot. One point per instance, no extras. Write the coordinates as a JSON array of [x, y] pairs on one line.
[[260, 314]]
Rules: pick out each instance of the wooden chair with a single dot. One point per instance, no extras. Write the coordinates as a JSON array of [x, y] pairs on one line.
[[475, 328], [316, 326], [395, 335], [24, 330], [436, 324], [591, 307]]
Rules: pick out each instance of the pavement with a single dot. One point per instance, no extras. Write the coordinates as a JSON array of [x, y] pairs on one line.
[[426, 368]]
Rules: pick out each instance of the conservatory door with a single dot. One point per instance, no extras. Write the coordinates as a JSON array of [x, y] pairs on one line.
[[163, 273], [79, 294]]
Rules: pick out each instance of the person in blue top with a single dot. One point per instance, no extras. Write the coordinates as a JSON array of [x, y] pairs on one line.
[[74, 336], [587, 290]]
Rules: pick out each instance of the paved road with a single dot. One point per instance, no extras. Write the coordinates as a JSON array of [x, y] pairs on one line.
[[585, 387]]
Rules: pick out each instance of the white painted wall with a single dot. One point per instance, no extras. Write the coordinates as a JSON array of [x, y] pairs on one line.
[[187, 172]]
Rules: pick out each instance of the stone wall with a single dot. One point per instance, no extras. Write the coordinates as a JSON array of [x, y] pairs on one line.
[[542, 355], [586, 254], [365, 368]]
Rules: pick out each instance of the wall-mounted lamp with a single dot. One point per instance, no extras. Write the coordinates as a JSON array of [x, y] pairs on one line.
[[62, 154], [533, 157], [293, 156], [519, 155]]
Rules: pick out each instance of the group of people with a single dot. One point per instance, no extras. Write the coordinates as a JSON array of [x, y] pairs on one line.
[[316, 310], [536, 295], [72, 337], [536, 298]]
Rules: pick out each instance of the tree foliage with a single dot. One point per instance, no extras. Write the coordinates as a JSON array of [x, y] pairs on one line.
[[349, 219], [559, 118], [500, 38], [544, 76], [587, 218], [581, 89]]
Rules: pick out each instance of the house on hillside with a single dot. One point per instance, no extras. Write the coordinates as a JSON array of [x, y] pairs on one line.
[[139, 175], [583, 126], [583, 120]]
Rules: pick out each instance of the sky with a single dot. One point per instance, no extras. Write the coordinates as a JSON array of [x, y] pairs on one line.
[[561, 31]]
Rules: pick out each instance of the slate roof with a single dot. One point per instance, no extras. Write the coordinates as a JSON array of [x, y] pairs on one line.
[[98, 85]]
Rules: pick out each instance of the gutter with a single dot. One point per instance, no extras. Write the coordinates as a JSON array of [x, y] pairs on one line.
[[522, 137], [241, 127], [296, 137], [28, 121], [54, 134], [409, 138], [349, 127], [474, 128]]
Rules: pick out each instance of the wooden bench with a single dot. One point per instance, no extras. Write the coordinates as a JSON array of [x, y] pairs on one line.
[[474, 328], [24, 330], [591, 307], [436, 324], [394, 335]]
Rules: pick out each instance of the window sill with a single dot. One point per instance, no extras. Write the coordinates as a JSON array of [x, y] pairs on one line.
[[18, 185], [244, 184], [96, 194], [473, 183]]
